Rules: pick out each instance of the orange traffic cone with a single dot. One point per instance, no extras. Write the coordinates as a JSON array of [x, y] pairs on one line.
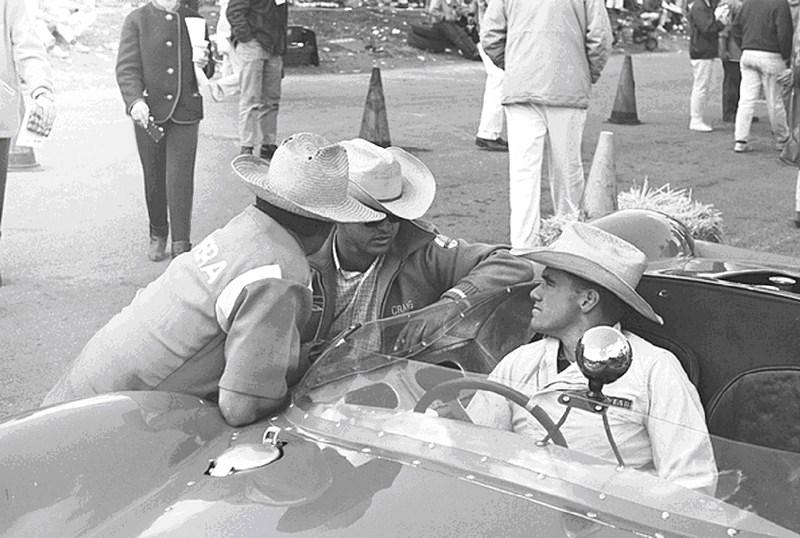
[[600, 192], [374, 123], [624, 110], [22, 158]]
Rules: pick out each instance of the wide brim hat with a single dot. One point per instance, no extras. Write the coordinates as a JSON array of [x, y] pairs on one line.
[[307, 176], [389, 179], [600, 257]]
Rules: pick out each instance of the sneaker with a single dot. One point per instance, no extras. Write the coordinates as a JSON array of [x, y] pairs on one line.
[[700, 126], [740, 147], [498, 144], [157, 250], [267, 151]]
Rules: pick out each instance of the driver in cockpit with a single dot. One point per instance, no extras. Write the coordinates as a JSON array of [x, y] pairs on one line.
[[656, 417]]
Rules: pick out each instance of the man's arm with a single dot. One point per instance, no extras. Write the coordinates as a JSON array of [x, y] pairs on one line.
[[262, 348], [237, 18], [28, 51], [681, 446], [598, 37], [783, 24], [494, 27], [460, 268], [129, 70]]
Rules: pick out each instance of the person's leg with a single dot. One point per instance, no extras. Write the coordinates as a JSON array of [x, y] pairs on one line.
[[181, 151], [5, 146], [730, 90], [749, 91], [772, 65], [271, 98], [526, 137], [251, 56], [701, 81], [797, 201], [492, 115], [459, 38], [153, 158], [564, 134]]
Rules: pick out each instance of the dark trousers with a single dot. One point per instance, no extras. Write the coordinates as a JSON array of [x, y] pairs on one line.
[[731, 80], [456, 35], [168, 168], [5, 146]]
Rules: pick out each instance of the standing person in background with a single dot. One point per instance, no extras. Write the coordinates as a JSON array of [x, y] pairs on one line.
[[492, 115], [763, 30], [729, 52], [23, 57], [259, 39], [704, 32], [552, 52], [228, 83], [156, 76]]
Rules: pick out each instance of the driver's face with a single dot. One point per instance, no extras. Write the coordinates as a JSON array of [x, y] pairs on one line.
[[368, 238], [556, 303]]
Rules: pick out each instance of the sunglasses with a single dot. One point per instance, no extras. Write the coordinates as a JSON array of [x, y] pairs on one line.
[[391, 219]]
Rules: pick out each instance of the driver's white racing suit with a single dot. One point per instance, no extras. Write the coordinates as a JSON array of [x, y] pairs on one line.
[[658, 422]]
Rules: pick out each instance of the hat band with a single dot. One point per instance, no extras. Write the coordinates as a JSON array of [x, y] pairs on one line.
[[394, 198]]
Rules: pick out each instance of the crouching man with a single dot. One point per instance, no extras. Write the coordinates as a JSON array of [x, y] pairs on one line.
[[589, 279]]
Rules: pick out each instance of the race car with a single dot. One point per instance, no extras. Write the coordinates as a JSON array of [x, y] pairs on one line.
[[375, 441]]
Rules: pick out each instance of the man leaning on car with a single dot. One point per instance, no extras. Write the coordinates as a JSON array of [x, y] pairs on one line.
[[589, 279], [223, 322]]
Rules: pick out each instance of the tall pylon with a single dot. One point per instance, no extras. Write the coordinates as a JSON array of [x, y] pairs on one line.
[[624, 110], [600, 192], [374, 123]]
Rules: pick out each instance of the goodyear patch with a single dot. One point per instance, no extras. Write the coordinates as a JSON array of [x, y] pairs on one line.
[[445, 242], [624, 403]]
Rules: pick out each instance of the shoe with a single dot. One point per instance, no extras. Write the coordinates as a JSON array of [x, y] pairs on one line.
[[700, 126], [267, 151], [246, 150], [740, 147], [216, 91], [179, 247], [157, 251], [498, 144]]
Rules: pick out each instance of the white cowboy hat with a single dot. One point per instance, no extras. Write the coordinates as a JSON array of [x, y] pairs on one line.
[[389, 179], [600, 257], [307, 176]]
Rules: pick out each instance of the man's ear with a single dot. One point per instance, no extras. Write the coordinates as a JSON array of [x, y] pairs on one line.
[[590, 298]]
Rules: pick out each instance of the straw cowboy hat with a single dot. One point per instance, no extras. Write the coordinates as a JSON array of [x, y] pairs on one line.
[[600, 257], [307, 176], [389, 179]]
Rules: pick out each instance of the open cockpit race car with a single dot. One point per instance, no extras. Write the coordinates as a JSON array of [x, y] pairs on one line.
[[376, 441]]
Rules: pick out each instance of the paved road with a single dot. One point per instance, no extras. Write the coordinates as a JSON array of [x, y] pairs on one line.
[[75, 233]]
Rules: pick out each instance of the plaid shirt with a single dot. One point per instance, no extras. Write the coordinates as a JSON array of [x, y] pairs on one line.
[[356, 297]]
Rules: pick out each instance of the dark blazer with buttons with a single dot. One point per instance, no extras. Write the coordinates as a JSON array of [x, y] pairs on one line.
[[154, 63]]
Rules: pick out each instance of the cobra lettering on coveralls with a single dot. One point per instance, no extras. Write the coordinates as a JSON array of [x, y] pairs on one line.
[[204, 254]]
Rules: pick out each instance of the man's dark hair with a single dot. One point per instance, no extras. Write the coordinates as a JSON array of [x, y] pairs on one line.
[[612, 307], [303, 226]]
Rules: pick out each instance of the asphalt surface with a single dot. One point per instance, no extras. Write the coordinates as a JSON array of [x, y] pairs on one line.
[[75, 232]]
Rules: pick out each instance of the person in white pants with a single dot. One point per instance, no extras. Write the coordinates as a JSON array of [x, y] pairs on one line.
[[491, 125], [228, 84]]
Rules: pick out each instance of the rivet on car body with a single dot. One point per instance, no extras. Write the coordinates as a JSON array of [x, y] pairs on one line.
[[602, 496], [620, 467], [431, 445], [305, 415], [658, 535], [415, 462], [366, 450], [470, 477], [592, 515], [542, 476], [664, 515], [565, 398], [540, 443], [339, 424], [191, 483], [529, 495], [732, 532], [288, 428], [663, 294], [273, 419], [381, 434], [484, 459]]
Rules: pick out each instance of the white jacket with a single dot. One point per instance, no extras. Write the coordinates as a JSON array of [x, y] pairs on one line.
[[664, 429], [552, 50]]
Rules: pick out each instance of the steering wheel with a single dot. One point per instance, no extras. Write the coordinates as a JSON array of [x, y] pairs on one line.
[[449, 389]]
